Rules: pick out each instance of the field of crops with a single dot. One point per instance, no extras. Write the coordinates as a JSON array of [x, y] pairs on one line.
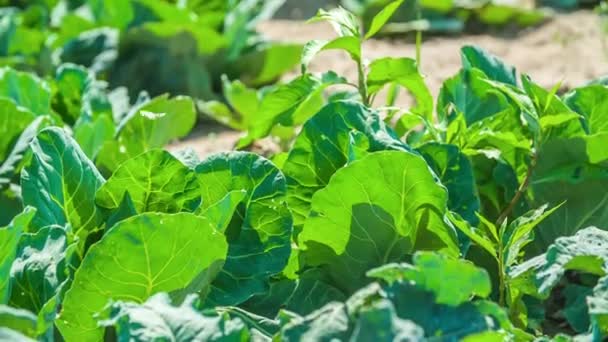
[[478, 212]]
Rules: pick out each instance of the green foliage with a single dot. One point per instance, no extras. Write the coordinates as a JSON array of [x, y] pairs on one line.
[[479, 217]]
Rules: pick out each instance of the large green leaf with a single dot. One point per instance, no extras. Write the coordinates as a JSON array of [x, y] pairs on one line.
[[324, 146], [158, 320], [61, 183], [564, 173], [9, 241], [258, 233], [137, 258], [26, 90], [450, 323], [592, 103], [152, 124], [356, 224], [155, 181]]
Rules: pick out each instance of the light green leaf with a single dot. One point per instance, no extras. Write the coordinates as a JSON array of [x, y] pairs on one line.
[[520, 232], [453, 281], [475, 235], [113, 13], [350, 44], [259, 231], [267, 63], [152, 124], [356, 224], [26, 90], [288, 105], [343, 22], [156, 182], [61, 183], [137, 258], [92, 135], [13, 121], [382, 17], [404, 72], [18, 320], [9, 241]]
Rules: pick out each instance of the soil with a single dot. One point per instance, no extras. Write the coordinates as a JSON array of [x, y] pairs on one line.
[[569, 49]]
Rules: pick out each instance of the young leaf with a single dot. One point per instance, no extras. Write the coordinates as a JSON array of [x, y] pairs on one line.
[[350, 44], [343, 22], [288, 105], [382, 17], [481, 239], [404, 72], [519, 232], [137, 258]]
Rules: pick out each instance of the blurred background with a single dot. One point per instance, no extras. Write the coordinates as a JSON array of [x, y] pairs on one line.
[[194, 47]]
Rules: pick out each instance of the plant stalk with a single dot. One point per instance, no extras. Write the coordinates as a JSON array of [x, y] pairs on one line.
[[362, 84], [520, 192]]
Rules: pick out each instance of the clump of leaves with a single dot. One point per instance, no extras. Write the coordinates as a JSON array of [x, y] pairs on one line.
[[478, 217]]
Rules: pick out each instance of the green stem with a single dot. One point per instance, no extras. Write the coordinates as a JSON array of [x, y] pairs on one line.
[[520, 192], [502, 286], [362, 84], [418, 37]]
